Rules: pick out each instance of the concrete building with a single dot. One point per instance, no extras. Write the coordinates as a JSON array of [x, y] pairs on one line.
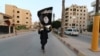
[[5, 24], [90, 17], [20, 16], [36, 25], [76, 17]]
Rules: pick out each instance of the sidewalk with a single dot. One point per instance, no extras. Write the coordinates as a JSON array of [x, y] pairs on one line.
[[12, 34], [79, 47], [6, 35]]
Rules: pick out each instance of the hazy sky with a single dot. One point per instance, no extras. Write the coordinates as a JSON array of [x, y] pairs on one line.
[[35, 5]]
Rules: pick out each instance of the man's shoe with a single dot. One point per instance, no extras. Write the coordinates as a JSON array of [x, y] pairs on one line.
[[42, 47]]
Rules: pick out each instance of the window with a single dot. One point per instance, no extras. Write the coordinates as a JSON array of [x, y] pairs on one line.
[[26, 17], [67, 9], [84, 18], [84, 10], [84, 7], [26, 13], [66, 24], [26, 22], [81, 10], [73, 24], [17, 21], [70, 9], [74, 9], [18, 12], [66, 20], [17, 16], [70, 17], [69, 29]]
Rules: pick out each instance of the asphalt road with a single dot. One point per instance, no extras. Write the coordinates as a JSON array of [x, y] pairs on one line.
[[28, 44], [84, 38]]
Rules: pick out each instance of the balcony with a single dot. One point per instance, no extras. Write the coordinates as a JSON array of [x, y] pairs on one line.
[[4, 20]]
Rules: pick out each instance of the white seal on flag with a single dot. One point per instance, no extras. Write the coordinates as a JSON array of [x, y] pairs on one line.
[[46, 20]]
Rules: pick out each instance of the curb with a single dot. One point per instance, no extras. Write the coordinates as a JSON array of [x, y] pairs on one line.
[[6, 36], [78, 52], [10, 35]]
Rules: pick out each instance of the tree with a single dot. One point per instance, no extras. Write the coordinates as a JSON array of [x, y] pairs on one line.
[[20, 27], [56, 24]]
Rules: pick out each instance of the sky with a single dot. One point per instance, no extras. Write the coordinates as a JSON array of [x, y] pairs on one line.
[[36, 5]]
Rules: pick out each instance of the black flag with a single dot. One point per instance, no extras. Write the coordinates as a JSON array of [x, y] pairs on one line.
[[45, 16]]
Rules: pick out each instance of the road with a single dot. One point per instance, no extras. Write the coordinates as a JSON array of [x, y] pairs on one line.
[[28, 44], [84, 38]]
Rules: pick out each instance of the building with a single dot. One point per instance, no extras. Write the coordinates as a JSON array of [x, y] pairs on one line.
[[90, 18], [5, 26], [36, 25], [20, 16], [76, 17]]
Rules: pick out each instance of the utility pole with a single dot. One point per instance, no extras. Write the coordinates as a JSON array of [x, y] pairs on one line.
[[95, 34], [63, 16], [53, 16]]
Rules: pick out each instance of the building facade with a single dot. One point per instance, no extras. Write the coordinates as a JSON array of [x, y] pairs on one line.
[[76, 17], [19, 16], [90, 17], [5, 26]]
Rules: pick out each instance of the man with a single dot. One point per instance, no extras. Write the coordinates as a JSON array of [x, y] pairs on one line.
[[45, 17], [44, 36]]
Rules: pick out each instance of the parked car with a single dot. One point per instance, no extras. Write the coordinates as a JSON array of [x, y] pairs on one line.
[[71, 31]]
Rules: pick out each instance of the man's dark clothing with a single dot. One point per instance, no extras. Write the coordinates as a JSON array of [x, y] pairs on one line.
[[43, 36]]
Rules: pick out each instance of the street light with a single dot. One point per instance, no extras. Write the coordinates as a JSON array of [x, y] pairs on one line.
[[53, 16]]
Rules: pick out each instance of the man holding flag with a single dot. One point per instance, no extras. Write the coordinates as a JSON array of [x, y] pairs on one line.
[[45, 17]]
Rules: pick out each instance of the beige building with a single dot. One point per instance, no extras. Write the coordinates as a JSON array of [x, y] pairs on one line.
[[5, 26], [20, 16], [76, 17], [36, 25], [90, 18]]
